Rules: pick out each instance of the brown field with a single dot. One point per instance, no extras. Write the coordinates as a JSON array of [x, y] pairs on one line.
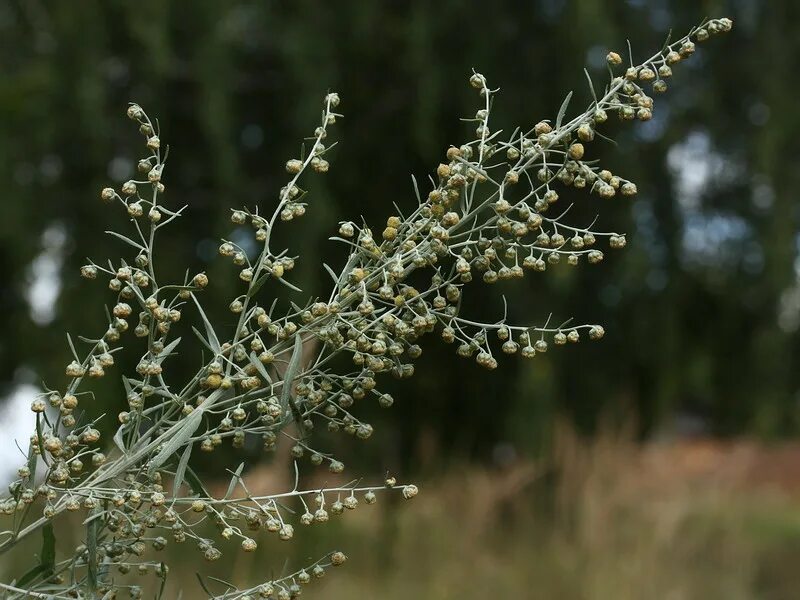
[[608, 519]]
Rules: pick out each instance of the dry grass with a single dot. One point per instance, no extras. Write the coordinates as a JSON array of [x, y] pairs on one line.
[[602, 520], [606, 520]]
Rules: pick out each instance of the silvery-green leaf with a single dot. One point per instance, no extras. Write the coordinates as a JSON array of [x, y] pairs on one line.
[[234, 480], [127, 240], [563, 110], [213, 340], [291, 371], [186, 431], [180, 472]]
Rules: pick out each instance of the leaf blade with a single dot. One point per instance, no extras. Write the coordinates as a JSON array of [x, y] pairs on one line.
[[563, 110], [180, 472], [181, 436], [213, 340], [591, 86], [332, 273], [91, 550], [119, 441], [291, 371], [202, 338], [167, 351], [48, 554], [196, 483], [234, 480], [127, 240], [29, 576], [262, 370]]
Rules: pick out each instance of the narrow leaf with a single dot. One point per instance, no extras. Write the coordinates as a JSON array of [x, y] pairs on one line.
[[332, 273], [127, 240], [213, 340], [262, 370], [291, 371], [563, 110], [667, 41], [257, 285], [163, 570], [234, 480], [167, 351], [196, 483], [33, 459], [180, 473], [93, 516], [183, 434], [291, 286], [29, 576], [48, 556], [91, 550], [222, 581], [39, 433], [72, 347], [138, 293], [591, 86], [164, 393], [118, 439], [416, 189], [203, 585], [202, 338], [606, 138], [173, 213]]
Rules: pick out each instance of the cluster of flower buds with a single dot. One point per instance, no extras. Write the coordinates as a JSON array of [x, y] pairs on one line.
[[492, 212]]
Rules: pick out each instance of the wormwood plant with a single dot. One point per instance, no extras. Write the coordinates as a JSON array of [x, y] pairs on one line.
[[491, 212]]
